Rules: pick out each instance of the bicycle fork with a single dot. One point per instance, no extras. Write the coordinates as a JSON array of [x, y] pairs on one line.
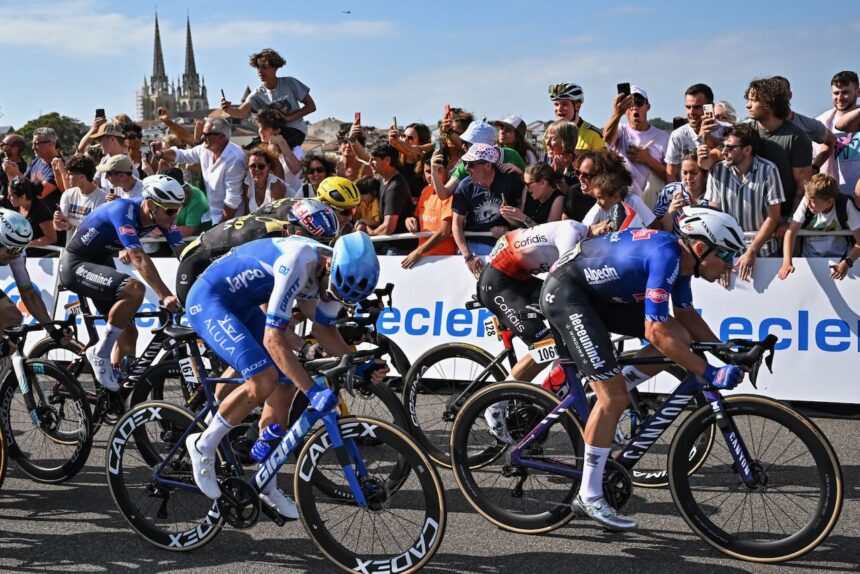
[[735, 444], [26, 390]]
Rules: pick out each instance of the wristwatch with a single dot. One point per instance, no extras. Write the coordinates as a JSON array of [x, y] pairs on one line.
[[848, 261]]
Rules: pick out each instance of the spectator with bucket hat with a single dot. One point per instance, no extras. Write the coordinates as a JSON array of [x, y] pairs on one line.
[[478, 202]]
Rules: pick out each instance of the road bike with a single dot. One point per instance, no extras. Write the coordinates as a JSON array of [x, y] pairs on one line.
[[444, 377], [381, 527], [44, 413], [770, 488]]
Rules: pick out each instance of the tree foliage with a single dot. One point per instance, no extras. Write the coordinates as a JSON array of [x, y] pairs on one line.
[[660, 124], [69, 131]]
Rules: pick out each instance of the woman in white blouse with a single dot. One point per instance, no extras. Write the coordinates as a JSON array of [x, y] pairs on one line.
[[261, 184]]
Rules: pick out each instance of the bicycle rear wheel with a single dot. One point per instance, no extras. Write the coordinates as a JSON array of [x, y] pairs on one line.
[[170, 516], [400, 529], [511, 496], [435, 379], [49, 430], [796, 502]]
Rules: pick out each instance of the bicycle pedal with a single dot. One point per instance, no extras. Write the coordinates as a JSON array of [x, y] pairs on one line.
[[274, 515]]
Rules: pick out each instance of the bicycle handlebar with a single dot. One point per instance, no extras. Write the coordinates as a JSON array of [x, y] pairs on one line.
[[743, 353], [332, 368]]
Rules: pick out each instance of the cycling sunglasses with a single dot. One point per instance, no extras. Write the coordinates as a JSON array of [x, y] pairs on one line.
[[15, 250], [725, 256], [332, 292], [170, 211]]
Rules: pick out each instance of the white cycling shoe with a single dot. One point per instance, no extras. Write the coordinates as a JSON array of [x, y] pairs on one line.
[[102, 370], [600, 512], [495, 417], [203, 468], [283, 504]]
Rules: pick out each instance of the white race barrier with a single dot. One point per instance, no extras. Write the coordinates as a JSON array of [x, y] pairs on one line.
[[815, 317]]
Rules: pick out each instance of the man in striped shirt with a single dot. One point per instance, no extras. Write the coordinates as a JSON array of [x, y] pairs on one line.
[[747, 187]]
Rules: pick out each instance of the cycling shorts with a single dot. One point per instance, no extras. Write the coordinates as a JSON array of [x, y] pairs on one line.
[[191, 267], [581, 324], [230, 328], [99, 280], [507, 297]]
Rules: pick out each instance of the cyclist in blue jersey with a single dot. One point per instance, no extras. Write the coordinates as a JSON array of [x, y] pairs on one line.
[[224, 307], [610, 284], [87, 267]]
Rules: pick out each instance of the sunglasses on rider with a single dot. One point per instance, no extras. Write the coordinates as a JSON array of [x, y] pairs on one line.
[[170, 211], [725, 256]]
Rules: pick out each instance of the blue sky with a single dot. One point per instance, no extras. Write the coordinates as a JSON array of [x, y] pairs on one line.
[[409, 58]]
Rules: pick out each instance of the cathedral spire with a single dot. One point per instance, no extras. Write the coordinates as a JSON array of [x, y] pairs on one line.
[[190, 66], [159, 77]]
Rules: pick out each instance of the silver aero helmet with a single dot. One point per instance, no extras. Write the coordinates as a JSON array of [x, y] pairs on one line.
[[15, 231], [716, 228], [164, 190]]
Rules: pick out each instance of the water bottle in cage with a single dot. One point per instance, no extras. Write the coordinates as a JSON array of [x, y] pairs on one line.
[[556, 381], [263, 444]]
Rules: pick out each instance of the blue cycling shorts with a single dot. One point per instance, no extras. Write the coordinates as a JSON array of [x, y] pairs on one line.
[[236, 335]]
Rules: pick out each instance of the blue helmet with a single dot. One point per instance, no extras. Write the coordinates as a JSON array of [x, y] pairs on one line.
[[317, 219], [354, 267]]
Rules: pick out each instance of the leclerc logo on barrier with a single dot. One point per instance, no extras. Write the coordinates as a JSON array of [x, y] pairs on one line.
[[436, 321], [797, 333]]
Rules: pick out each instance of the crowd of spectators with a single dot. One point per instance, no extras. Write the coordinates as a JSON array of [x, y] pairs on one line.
[[465, 181]]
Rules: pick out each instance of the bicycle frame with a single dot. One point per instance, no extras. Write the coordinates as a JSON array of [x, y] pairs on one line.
[[346, 452], [651, 430]]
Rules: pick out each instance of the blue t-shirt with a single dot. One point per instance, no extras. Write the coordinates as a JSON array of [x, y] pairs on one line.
[[40, 171], [114, 226], [632, 266], [481, 206]]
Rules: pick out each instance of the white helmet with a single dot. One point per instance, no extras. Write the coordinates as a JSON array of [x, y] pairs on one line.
[[164, 190], [715, 228], [15, 231]]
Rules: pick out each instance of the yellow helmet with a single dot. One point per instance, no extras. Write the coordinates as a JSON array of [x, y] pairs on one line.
[[338, 192]]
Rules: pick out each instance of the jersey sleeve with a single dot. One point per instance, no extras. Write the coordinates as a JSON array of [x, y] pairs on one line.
[[682, 294], [664, 267], [327, 312], [290, 276], [173, 236], [126, 227], [20, 273]]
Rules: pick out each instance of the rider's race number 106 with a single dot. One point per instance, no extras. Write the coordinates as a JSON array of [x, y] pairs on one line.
[[543, 351]]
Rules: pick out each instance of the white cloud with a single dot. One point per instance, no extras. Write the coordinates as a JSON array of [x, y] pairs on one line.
[[85, 28]]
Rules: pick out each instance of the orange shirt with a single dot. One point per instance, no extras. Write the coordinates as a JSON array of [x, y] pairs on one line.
[[430, 213]]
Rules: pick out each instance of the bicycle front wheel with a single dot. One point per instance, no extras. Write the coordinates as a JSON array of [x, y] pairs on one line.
[[48, 428], [798, 496], [168, 511], [400, 529], [436, 379], [512, 496]]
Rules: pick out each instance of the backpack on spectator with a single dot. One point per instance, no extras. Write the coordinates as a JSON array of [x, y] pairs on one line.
[[841, 207]]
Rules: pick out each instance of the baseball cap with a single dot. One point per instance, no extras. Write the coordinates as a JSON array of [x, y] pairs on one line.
[[482, 152], [638, 90], [514, 121], [118, 162], [479, 132], [109, 129]]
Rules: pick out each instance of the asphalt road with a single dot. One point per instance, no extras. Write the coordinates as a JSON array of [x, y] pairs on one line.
[[75, 527]]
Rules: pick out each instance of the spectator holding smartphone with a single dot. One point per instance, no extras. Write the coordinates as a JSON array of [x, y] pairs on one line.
[[676, 195], [82, 196], [286, 94]]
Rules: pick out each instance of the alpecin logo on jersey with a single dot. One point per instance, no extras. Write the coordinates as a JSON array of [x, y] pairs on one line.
[[605, 274], [128, 230], [657, 295], [639, 234]]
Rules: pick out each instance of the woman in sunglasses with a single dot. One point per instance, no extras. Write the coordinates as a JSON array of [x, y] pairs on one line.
[[316, 168], [262, 186], [25, 201]]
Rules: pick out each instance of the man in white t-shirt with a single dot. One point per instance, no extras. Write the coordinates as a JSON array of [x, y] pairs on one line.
[[845, 163], [698, 130], [642, 145], [118, 171], [222, 164], [78, 201]]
